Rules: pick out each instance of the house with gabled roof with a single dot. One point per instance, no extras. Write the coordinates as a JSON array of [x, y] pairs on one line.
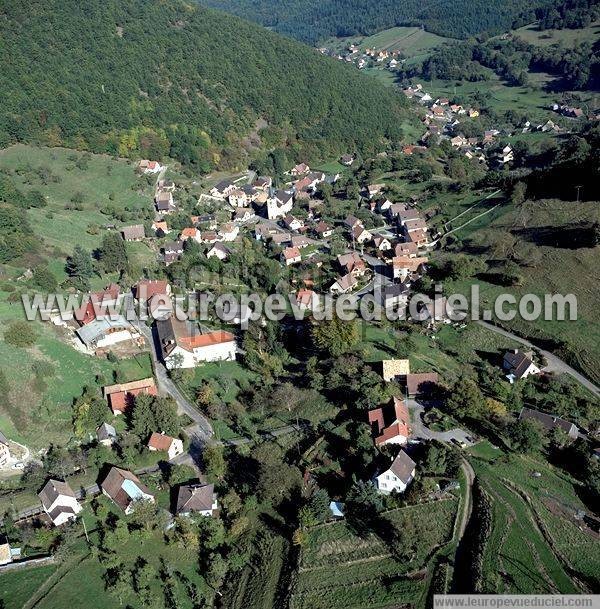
[[125, 489], [4, 450], [184, 345], [550, 421], [395, 369], [519, 365], [344, 285], [390, 424], [161, 442], [149, 167], [361, 235], [59, 502], [106, 434], [322, 229], [196, 499], [222, 189], [291, 255], [352, 263], [122, 395], [398, 476], [218, 250], [133, 233]]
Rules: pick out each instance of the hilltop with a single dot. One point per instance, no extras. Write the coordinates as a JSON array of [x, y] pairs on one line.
[[313, 21], [172, 79]]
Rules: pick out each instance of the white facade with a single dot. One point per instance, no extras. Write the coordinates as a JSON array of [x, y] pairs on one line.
[[387, 482], [211, 353]]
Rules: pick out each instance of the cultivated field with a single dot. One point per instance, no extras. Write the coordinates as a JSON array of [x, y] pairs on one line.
[[340, 569]]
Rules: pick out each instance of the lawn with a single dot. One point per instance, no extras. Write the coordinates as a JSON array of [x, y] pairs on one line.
[[94, 181], [16, 587], [409, 41], [567, 37], [340, 569]]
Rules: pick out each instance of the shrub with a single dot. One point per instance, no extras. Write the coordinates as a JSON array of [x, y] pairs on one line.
[[20, 334]]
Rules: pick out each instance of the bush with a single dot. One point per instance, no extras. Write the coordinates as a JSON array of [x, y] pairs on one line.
[[20, 334]]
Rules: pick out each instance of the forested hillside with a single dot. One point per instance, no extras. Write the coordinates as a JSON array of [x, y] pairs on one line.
[[315, 20], [158, 78]]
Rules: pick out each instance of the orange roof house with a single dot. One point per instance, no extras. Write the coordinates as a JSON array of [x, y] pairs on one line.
[[390, 423], [122, 395]]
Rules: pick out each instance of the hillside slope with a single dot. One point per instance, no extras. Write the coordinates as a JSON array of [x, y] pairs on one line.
[[315, 20], [157, 77]]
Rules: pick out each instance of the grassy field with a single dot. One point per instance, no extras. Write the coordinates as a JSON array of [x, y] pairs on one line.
[[340, 569], [526, 532], [16, 587], [410, 41], [566, 37], [95, 181], [550, 270]]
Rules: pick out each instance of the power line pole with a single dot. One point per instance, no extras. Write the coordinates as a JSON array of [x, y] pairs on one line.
[[579, 187]]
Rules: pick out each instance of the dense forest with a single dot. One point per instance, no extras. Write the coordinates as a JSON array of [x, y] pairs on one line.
[[313, 21], [561, 14], [158, 78]]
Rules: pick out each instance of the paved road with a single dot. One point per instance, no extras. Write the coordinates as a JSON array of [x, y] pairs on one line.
[[555, 364], [201, 431], [421, 431]]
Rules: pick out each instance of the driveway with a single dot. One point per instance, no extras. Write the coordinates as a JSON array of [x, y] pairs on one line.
[[421, 431], [555, 364]]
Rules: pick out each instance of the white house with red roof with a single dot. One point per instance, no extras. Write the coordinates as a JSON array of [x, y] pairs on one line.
[[390, 423], [161, 442], [184, 345]]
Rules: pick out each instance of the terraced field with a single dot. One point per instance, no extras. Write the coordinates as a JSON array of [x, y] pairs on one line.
[[340, 569]]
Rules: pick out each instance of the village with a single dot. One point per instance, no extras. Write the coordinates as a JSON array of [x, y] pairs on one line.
[[385, 260]]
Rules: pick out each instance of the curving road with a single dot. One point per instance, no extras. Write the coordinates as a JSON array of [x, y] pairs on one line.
[[555, 364]]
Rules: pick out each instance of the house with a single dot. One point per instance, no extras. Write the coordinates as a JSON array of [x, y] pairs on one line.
[[473, 113], [506, 155], [383, 204], [218, 250], [390, 424], [395, 209], [190, 232], [4, 450], [306, 299], [162, 443], [395, 297], [300, 241], [383, 244], [183, 345], [403, 266], [300, 169], [196, 498], [163, 202], [238, 198], [361, 235], [421, 383], [160, 228], [229, 231], [106, 434], [395, 369], [347, 160], [133, 233], [437, 310], [167, 185], [122, 395], [409, 249], [413, 225], [279, 204], [107, 332], [292, 223], [458, 141], [146, 289], [323, 230], [374, 189], [398, 476], [281, 238], [6, 554], [418, 237], [124, 488], [59, 502], [172, 251], [263, 231], [209, 236], [222, 189], [550, 422], [291, 255], [351, 222], [519, 365], [149, 167], [343, 285], [263, 183], [352, 263], [243, 214]]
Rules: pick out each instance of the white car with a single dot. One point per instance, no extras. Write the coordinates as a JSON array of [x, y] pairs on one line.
[[18, 465]]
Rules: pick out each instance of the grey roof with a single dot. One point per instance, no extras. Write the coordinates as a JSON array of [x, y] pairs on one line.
[[94, 331], [3, 439], [550, 421], [52, 490], [518, 361], [173, 247], [403, 466], [195, 498], [133, 232], [106, 432]]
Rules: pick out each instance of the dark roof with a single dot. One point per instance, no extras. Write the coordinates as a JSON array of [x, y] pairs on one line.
[[403, 466], [133, 232], [224, 185], [195, 498], [549, 421], [3, 438], [518, 362], [173, 247], [106, 432], [422, 382], [52, 490], [112, 485], [60, 509]]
